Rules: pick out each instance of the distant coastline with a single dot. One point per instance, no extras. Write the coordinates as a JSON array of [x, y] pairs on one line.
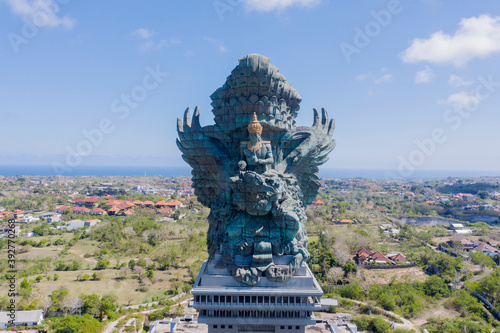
[[168, 171]]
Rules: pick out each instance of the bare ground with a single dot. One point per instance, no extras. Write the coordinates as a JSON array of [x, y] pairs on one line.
[[385, 276], [438, 311]]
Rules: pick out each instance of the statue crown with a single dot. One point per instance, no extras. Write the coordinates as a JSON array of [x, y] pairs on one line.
[[255, 126]]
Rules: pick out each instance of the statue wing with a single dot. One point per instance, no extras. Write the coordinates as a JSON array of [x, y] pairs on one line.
[[307, 149], [206, 154]]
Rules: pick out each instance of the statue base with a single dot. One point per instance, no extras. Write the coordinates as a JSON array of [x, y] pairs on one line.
[[226, 305]]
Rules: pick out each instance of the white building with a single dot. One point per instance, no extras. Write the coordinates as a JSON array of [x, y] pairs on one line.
[[22, 318], [28, 218]]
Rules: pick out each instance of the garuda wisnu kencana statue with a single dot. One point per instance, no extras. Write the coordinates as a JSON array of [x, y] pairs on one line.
[[256, 171]]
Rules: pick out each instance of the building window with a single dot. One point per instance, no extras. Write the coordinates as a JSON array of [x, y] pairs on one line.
[[282, 327], [222, 326], [289, 327], [230, 326], [297, 327], [215, 326]]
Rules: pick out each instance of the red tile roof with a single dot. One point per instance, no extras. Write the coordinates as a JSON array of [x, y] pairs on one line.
[[91, 199], [164, 211], [174, 203]]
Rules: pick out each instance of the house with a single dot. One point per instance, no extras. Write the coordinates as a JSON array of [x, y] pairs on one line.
[[74, 224], [50, 217], [379, 258], [81, 210], [174, 204], [18, 214], [27, 218], [87, 202], [5, 231], [458, 228], [113, 210], [493, 243], [128, 212], [5, 214], [97, 211], [148, 203], [345, 221], [63, 209], [398, 258], [138, 202], [22, 318], [91, 223], [363, 254], [164, 211], [487, 249], [467, 244], [318, 203], [160, 204]]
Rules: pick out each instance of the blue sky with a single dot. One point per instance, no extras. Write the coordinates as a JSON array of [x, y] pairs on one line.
[[412, 84]]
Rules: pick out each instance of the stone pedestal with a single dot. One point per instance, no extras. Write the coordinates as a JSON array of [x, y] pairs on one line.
[[226, 305]]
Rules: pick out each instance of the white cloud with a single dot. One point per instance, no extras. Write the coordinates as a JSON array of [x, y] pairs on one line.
[[362, 77], [270, 5], [424, 75], [42, 13], [221, 47], [384, 78], [150, 40], [476, 37], [144, 33], [462, 99], [456, 81]]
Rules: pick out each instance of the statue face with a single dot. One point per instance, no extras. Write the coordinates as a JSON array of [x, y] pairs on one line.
[[254, 137]]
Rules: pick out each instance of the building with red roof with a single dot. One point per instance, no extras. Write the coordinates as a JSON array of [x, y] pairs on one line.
[[318, 203]]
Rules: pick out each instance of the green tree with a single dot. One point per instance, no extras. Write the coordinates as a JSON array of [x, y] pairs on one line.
[[91, 305], [102, 264], [109, 304], [483, 194], [76, 324]]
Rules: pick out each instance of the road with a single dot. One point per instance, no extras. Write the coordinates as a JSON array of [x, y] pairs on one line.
[[112, 325]]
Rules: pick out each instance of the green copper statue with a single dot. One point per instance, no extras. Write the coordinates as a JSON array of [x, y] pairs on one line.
[[256, 171]]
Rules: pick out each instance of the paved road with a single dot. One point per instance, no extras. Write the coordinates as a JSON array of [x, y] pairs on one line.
[[112, 325]]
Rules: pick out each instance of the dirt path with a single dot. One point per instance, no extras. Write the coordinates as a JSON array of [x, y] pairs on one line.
[[439, 311], [407, 325]]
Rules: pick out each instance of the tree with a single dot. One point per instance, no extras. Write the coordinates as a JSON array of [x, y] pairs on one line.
[[334, 274], [72, 305], [73, 324], [109, 304], [91, 305], [483, 194], [457, 246], [350, 267], [102, 264], [435, 287]]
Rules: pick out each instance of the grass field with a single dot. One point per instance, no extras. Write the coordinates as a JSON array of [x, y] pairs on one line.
[[112, 281]]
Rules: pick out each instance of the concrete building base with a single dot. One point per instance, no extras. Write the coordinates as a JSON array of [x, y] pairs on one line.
[[226, 305]]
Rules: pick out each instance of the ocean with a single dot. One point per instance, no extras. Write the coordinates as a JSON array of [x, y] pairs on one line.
[[168, 171]]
